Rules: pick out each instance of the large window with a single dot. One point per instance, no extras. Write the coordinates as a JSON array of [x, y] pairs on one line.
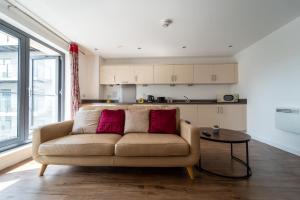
[[31, 85]]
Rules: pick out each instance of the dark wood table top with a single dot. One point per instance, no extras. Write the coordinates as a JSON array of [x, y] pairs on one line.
[[225, 136]]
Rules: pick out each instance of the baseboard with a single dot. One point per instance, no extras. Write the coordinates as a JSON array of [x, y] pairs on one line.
[[14, 156], [279, 146]]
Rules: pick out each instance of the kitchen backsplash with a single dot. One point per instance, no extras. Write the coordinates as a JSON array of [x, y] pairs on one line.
[[175, 92]]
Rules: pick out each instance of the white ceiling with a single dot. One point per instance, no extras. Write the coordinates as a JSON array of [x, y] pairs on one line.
[[206, 27]]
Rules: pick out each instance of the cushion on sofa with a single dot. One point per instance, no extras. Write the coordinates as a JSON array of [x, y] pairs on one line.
[[136, 121], [162, 121], [86, 121], [111, 121], [80, 145], [145, 144]]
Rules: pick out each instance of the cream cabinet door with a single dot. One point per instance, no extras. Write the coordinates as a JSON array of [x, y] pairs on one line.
[[189, 113], [124, 74], [143, 74], [163, 74], [224, 73], [203, 74], [107, 75], [207, 115], [233, 116], [183, 74]]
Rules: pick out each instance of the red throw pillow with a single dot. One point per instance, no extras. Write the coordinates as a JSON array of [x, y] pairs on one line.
[[111, 121], [162, 121]]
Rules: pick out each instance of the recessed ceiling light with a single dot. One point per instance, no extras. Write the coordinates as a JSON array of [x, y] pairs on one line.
[[184, 47], [95, 49], [139, 48], [230, 46]]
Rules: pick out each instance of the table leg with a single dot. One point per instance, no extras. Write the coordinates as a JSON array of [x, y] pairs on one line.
[[247, 159], [231, 150]]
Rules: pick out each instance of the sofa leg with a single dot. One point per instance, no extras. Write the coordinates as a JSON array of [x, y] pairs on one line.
[[190, 172], [42, 170]]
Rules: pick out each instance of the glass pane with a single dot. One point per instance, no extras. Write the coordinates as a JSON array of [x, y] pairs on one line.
[[9, 64], [43, 108]]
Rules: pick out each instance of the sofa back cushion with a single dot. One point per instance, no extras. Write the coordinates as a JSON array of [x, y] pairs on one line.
[[136, 121], [86, 121], [111, 121], [162, 121]]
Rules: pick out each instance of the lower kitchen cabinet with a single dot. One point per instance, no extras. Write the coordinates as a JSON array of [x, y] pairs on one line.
[[227, 116], [189, 113]]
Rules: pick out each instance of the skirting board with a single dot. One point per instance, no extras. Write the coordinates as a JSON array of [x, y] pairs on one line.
[[279, 146], [14, 156]]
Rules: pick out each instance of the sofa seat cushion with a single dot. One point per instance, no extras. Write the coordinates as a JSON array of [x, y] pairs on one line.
[[145, 144], [80, 145]]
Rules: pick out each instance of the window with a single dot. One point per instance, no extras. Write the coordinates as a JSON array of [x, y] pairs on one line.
[[31, 85]]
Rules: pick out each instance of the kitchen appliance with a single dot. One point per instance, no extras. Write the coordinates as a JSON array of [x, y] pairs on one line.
[[229, 98], [128, 93], [150, 98], [161, 99]]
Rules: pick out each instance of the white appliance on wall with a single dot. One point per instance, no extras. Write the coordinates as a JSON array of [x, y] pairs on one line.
[[288, 119]]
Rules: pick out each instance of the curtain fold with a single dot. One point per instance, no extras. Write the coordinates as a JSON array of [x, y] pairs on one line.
[[75, 91]]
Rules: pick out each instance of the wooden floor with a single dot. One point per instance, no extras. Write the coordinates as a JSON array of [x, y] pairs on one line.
[[276, 175]]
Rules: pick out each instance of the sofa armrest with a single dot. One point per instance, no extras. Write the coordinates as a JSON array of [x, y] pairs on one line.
[[191, 134], [49, 132]]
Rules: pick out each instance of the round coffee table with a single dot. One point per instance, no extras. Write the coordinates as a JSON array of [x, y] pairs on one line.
[[231, 137]]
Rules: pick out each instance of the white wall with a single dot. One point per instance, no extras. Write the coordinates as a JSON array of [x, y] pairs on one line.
[[269, 74], [89, 76]]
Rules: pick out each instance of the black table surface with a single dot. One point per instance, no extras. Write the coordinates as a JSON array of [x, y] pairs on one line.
[[225, 136]]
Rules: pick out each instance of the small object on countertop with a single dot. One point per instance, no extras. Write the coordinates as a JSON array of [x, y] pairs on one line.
[[216, 129], [188, 122], [108, 100], [141, 100], [206, 133]]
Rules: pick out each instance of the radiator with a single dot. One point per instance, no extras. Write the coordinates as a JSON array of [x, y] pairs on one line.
[[288, 119]]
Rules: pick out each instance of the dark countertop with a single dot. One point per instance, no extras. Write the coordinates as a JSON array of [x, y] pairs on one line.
[[177, 101]]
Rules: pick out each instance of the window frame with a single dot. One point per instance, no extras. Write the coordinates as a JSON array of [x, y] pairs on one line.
[[23, 85]]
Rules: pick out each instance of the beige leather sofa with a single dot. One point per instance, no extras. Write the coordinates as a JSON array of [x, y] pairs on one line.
[[53, 144]]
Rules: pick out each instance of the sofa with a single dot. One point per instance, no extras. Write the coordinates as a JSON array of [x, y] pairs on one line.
[[54, 144]]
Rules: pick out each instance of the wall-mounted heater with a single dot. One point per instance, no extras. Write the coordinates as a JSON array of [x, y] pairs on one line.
[[288, 119]]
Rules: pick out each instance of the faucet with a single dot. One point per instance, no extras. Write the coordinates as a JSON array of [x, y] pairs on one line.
[[187, 100]]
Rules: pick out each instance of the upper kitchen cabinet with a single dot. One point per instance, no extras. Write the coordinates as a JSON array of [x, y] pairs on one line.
[[183, 74], [143, 74], [215, 74], [107, 75], [124, 74], [173, 74], [163, 74]]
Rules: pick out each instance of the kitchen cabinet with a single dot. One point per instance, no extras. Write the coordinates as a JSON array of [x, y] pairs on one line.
[[226, 116], [143, 74], [215, 74], [173, 74], [124, 74], [189, 113], [183, 74], [163, 74], [107, 75]]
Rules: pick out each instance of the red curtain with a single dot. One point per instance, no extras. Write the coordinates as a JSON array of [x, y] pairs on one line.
[[75, 92]]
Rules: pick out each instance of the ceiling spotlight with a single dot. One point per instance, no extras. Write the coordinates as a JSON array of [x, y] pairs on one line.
[[95, 49], [230, 46], [166, 22], [184, 47], [139, 48]]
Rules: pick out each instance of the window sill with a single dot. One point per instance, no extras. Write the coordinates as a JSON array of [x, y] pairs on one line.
[[15, 155]]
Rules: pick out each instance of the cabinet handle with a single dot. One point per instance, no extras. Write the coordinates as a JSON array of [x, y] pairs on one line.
[[114, 78], [136, 78], [221, 109], [218, 110], [175, 78], [212, 79], [172, 78]]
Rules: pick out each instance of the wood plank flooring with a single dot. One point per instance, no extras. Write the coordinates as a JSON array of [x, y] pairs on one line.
[[276, 175]]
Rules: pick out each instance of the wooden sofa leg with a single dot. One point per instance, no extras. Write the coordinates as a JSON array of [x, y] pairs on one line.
[[190, 172], [42, 170]]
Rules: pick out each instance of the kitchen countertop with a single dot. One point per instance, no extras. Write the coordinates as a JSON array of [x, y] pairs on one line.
[[177, 101]]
